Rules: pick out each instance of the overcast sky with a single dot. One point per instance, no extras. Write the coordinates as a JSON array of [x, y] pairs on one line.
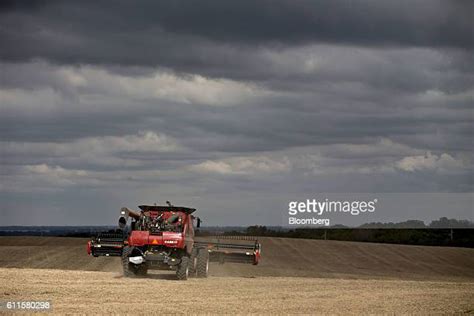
[[233, 107]]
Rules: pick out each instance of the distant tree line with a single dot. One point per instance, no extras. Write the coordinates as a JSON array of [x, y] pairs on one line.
[[443, 222]]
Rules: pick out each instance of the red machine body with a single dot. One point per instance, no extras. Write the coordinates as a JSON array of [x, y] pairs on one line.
[[167, 239]]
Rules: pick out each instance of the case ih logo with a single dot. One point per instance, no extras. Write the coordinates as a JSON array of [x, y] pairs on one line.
[[171, 241]]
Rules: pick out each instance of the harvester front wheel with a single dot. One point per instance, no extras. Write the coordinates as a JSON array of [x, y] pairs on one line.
[[193, 262], [142, 270], [202, 263], [182, 272], [131, 270]]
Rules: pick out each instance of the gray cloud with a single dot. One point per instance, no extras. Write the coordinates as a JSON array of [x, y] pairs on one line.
[[108, 105], [155, 33]]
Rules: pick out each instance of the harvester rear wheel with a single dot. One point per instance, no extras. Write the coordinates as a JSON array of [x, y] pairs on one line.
[[182, 272], [202, 263]]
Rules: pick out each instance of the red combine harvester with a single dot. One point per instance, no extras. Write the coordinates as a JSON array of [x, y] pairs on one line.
[[162, 237]]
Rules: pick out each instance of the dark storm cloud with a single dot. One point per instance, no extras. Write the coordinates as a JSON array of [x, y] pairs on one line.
[[272, 124], [217, 103], [159, 33]]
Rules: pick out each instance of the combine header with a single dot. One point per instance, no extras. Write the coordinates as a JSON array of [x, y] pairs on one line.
[[162, 237]]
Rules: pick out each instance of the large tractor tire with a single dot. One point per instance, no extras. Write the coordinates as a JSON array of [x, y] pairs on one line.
[[142, 270], [182, 272], [131, 270], [202, 267], [193, 262]]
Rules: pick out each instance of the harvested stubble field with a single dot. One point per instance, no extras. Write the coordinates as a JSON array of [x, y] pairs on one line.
[[295, 276]]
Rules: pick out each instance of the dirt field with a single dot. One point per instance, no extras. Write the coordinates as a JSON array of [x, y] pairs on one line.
[[295, 276], [105, 292]]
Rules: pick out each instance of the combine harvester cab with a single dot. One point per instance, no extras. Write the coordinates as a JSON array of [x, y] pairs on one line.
[[162, 238]]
